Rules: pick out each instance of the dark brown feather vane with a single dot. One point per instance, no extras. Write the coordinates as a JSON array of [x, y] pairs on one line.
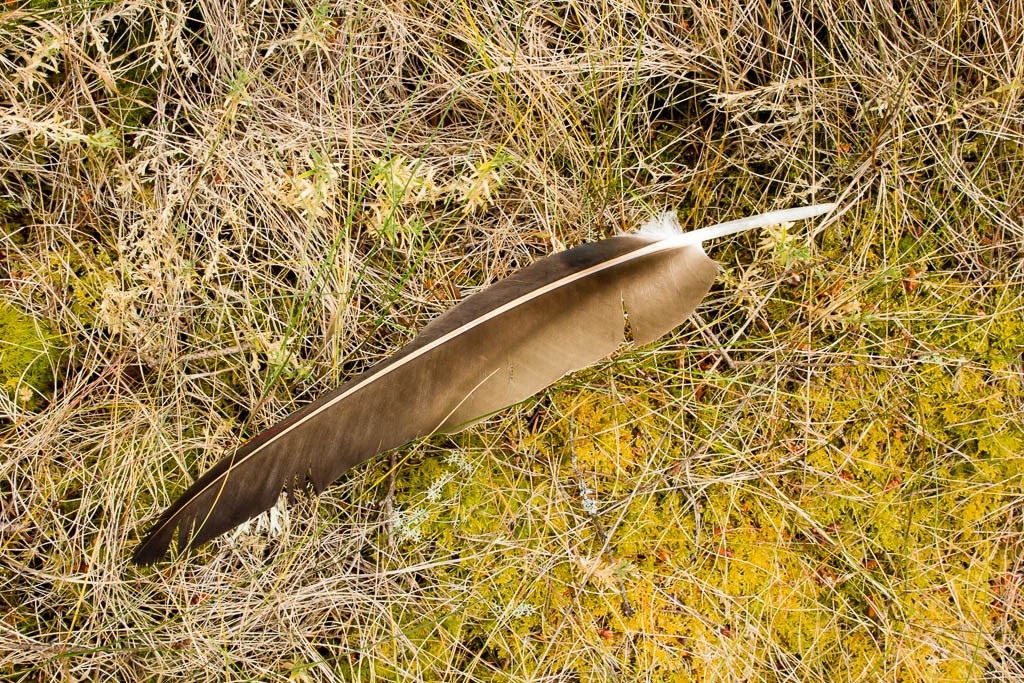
[[494, 349]]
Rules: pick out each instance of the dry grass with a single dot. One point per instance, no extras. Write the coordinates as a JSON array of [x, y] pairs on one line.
[[213, 212]]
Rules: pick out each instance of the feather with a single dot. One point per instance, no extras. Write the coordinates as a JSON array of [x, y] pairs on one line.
[[494, 349]]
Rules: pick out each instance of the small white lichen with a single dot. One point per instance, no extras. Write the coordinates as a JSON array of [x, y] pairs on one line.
[[458, 460], [408, 524], [433, 493]]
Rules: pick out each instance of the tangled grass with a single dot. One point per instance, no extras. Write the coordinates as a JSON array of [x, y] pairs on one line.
[[214, 212]]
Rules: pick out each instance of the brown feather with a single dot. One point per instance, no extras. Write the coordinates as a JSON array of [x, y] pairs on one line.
[[494, 349]]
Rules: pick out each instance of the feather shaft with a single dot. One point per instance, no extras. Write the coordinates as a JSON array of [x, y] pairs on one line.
[[761, 220]]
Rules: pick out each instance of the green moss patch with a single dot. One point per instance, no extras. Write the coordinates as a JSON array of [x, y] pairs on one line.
[[26, 374]]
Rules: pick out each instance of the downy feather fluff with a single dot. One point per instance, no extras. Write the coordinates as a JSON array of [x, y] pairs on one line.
[[494, 349]]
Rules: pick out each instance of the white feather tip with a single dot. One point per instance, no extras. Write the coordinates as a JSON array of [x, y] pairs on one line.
[[667, 226]]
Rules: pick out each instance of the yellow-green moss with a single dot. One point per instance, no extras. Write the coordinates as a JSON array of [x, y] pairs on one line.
[[885, 573], [25, 372]]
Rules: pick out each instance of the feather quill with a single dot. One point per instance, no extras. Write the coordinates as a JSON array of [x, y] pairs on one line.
[[494, 349]]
